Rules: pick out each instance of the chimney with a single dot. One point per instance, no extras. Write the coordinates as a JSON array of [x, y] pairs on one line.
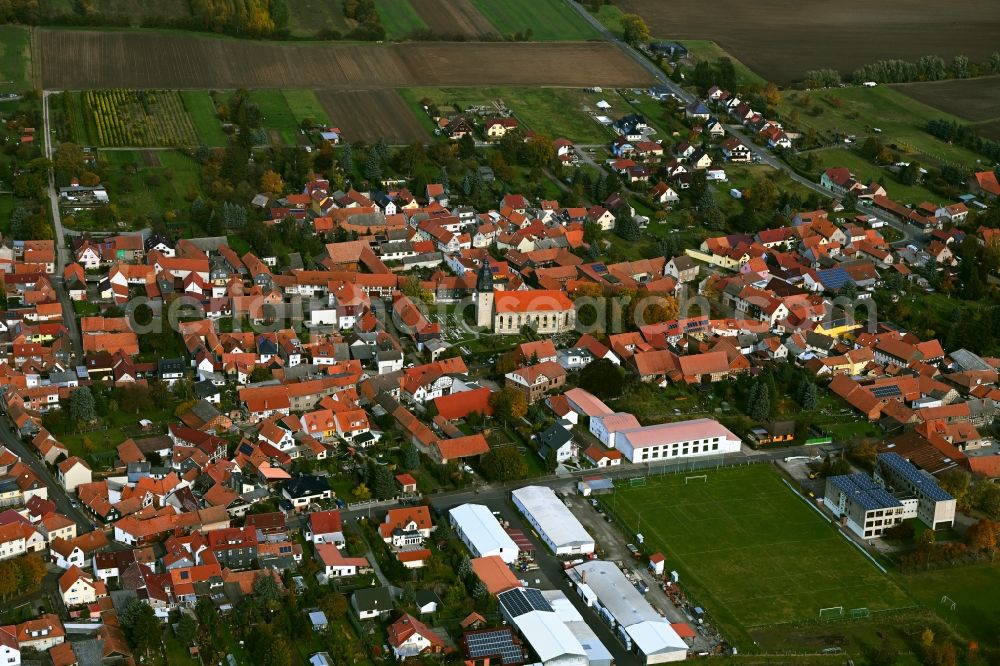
[[583, 578]]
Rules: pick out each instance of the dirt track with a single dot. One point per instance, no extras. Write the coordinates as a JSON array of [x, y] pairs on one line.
[[77, 60], [781, 40], [370, 115], [453, 17]]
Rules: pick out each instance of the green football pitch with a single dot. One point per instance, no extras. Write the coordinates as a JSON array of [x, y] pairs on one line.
[[749, 551]]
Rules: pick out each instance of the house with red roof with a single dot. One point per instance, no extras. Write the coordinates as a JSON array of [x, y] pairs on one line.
[[78, 587], [986, 184], [458, 406], [460, 448], [337, 565], [409, 637]]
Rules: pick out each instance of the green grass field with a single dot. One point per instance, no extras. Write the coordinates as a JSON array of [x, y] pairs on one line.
[[611, 17], [201, 108], [866, 171], [555, 112], [306, 18], [901, 119], [14, 59], [303, 104], [176, 182], [399, 18], [705, 49], [976, 615], [548, 20], [278, 116], [751, 552]]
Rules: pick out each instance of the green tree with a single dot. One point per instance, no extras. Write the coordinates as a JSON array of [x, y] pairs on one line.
[[142, 629], [411, 457], [373, 168], [504, 464], [265, 589], [809, 396], [383, 485], [187, 630], [347, 159], [634, 29], [81, 405], [603, 378], [509, 404]]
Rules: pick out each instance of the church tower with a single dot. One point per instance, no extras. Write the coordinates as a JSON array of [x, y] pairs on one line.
[[484, 297]]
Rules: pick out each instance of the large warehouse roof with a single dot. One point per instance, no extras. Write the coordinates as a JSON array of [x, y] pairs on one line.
[[651, 633], [548, 511], [483, 531]]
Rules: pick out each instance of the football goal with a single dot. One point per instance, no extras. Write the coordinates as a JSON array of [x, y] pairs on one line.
[[859, 613], [637, 481], [948, 602], [832, 613], [697, 477]]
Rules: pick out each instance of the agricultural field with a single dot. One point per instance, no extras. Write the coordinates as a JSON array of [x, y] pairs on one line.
[[201, 108], [370, 115], [750, 551], [867, 172], [15, 74], [278, 118], [308, 18], [976, 615], [704, 49], [123, 118], [399, 18], [858, 111], [974, 100], [555, 112], [305, 105], [84, 60], [547, 20], [782, 41], [453, 17]]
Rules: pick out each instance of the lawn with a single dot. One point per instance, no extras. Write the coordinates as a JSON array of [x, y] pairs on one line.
[[976, 615], [399, 18], [15, 75], [866, 171], [751, 552], [547, 20], [704, 49], [303, 104], [201, 108], [278, 117], [555, 112], [900, 118]]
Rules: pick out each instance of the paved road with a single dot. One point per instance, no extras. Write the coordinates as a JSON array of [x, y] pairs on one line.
[[62, 252], [56, 492]]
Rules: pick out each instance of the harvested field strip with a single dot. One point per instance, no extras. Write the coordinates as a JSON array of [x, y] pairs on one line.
[[370, 115], [453, 17], [278, 116], [973, 99], [782, 40], [75, 60], [399, 18], [304, 104], [310, 17]]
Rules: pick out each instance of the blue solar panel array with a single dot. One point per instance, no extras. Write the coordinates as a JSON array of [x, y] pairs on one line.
[[927, 486], [492, 643], [863, 491], [519, 601], [887, 391], [833, 278]]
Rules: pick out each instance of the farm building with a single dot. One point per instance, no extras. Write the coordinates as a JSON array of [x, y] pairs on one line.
[[478, 529], [559, 529], [604, 587], [684, 439]]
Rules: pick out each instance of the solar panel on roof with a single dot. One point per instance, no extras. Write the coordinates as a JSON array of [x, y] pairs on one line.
[[523, 600], [490, 643], [927, 486], [600, 268], [890, 391]]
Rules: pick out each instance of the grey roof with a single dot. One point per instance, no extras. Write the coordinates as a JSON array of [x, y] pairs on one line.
[[553, 439], [372, 598], [864, 491], [966, 360]]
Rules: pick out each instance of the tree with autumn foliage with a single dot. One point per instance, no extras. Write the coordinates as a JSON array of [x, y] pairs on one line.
[[983, 536], [509, 404], [272, 183]]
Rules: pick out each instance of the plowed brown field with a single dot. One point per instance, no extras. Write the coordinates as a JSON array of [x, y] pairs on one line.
[[370, 115], [453, 17], [782, 39], [76, 60]]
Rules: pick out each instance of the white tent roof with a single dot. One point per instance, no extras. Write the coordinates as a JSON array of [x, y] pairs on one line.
[[483, 530], [548, 636]]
